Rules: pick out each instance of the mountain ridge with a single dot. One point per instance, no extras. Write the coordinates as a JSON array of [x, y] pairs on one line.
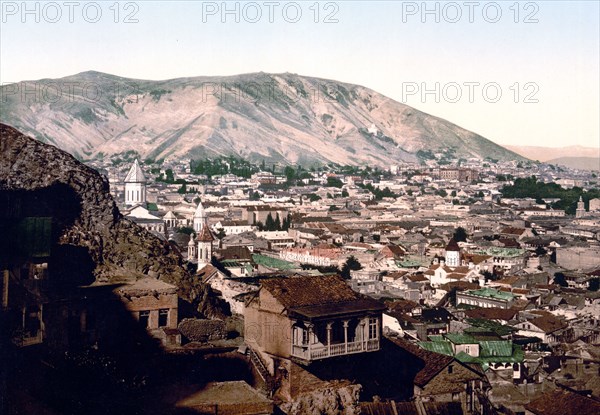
[[281, 118]]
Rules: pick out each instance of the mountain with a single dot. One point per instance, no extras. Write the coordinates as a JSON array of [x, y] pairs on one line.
[[581, 163], [546, 154], [92, 236], [283, 118]]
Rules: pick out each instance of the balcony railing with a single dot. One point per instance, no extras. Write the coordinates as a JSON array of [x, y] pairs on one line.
[[340, 349]]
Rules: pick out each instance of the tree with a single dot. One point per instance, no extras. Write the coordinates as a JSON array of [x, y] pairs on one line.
[[559, 279], [254, 195], [594, 284], [334, 182], [353, 263], [269, 223], [289, 173], [460, 234], [220, 234], [540, 251], [277, 223], [345, 193]]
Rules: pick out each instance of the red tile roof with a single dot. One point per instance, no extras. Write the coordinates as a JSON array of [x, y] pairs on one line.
[[562, 402]]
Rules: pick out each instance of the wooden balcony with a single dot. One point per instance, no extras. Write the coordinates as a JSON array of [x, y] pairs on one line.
[[316, 352]]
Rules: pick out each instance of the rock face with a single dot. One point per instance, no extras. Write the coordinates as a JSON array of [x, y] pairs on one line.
[[120, 250], [334, 400], [279, 118]]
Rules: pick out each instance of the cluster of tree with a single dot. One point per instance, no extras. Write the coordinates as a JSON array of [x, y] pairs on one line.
[[296, 175], [531, 187], [224, 165], [275, 224], [379, 193]]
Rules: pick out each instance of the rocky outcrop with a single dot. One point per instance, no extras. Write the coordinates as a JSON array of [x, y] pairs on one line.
[[120, 250], [333, 400]]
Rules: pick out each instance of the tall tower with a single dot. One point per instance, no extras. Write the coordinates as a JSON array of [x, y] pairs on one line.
[[205, 238], [205, 245], [192, 248], [452, 254], [200, 218], [135, 186], [580, 211]]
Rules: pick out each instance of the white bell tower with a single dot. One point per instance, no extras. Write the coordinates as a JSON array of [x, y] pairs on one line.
[[135, 186]]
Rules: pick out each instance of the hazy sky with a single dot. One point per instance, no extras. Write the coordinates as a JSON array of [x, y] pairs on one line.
[[542, 56]]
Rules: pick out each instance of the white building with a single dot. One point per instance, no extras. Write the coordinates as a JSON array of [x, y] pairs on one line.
[[135, 186]]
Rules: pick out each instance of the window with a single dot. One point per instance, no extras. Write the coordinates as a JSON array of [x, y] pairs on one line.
[[450, 369], [144, 316], [305, 336], [373, 328], [163, 317]]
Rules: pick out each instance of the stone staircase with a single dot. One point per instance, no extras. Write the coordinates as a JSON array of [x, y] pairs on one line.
[[261, 368]]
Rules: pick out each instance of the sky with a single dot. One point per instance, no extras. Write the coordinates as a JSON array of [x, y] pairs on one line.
[[516, 72]]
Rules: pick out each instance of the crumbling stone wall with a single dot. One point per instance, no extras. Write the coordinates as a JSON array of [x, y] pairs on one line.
[[200, 330]]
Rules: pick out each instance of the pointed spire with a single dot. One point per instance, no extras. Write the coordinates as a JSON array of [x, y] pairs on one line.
[[200, 213], [136, 174], [205, 235]]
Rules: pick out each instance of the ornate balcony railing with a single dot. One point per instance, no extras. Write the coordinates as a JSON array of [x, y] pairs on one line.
[[321, 352]]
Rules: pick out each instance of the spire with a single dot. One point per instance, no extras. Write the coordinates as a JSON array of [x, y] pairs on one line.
[[200, 218], [452, 246], [136, 174], [205, 235], [200, 213]]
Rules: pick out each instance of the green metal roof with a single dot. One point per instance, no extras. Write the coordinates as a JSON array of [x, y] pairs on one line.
[[270, 262], [502, 252], [499, 329], [489, 348], [492, 293], [461, 338]]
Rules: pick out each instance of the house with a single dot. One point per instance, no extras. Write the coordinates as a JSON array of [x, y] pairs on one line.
[[237, 260], [442, 378], [486, 298], [562, 402], [154, 305], [544, 326], [305, 319]]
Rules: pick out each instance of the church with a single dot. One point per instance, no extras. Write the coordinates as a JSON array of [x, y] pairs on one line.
[[200, 248], [453, 267]]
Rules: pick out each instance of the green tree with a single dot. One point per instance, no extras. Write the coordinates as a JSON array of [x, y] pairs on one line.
[[277, 223], [334, 182], [560, 279], [269, 223], [220, 234], [594, 284], [460, 234]]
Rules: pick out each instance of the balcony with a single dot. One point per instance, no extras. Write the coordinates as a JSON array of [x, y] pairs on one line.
[[316, 352]]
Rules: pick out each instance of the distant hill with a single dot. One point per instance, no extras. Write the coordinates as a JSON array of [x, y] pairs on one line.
[[279, 118], [545, 154], [582, 163]]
